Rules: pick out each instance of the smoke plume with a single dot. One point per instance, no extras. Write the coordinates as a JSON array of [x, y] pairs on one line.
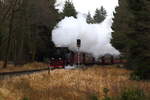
[[95, 38]]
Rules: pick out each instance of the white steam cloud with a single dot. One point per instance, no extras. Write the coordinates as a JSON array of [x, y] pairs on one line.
[[95, 38]]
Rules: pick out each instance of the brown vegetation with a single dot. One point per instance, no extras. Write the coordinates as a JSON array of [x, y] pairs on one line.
[[30, 66], [78, 84]]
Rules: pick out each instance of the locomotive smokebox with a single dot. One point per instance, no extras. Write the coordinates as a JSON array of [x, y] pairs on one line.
[[78, 43]]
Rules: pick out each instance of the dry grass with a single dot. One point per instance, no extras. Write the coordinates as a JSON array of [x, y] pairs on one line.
[[69, 84], [30, 66]]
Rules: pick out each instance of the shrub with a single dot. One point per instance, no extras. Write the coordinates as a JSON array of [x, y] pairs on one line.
[[135, 76], [106, 97], [26, 98], [94, 97], [1, 98], [132, 94], [141, 74]]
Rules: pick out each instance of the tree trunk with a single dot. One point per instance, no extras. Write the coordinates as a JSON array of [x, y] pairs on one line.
[[9, 40]]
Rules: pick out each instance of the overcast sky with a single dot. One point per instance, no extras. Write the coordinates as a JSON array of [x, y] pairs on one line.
[[84, 6]]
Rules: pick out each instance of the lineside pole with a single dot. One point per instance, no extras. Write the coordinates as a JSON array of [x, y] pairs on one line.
[[78, 58], [78, 46]]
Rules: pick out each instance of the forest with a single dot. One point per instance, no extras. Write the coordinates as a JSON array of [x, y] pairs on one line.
[[132, 35], [26, 31], [26, 49], [26, 28]]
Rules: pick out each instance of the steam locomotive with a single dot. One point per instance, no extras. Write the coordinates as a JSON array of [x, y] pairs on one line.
[[63, 57]]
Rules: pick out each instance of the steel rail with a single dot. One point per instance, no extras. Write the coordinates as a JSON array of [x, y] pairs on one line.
[[4, 75]]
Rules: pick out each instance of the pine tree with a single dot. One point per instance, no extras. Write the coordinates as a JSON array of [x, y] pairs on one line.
[[89, 19], [140, 49], [131, 34], [100, 15], [121, 27], [69, 9]]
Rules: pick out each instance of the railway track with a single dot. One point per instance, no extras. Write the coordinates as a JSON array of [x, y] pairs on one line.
[[5, 75]]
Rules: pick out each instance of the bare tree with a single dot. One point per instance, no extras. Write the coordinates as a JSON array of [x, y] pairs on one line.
[[13, 7]]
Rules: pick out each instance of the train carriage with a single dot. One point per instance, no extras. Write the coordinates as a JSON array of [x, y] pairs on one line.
[[78, 58], [63, 57]]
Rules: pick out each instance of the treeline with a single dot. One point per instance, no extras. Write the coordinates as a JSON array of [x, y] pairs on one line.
[[26, 26], [99, 16], [132, 35], [25, 30]]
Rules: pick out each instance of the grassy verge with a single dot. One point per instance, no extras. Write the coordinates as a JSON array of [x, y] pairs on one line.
[[30, 66], [87, 84]]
